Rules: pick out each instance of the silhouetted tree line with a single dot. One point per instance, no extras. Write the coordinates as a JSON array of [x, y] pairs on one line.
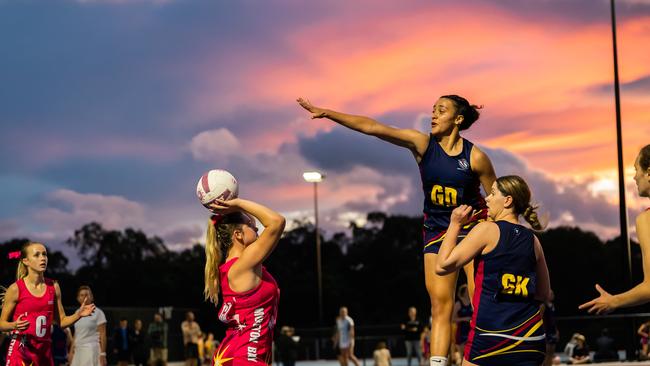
[[377, 271]]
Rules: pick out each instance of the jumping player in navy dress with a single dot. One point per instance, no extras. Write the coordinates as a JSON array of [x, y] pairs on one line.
[[511, 277], [452, 170]]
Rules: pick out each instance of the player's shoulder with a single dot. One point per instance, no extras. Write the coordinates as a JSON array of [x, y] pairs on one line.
[[643, 218]]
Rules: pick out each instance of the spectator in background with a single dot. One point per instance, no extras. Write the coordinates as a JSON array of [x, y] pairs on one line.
[[209, 346], [382, 355], [191, 332], [412, 330], [201, 347], [61, 341], [140, 351], [551, 331], [644, 332], [425, 344], [122, 343], [89, 346], [287, 345], [460, 317], [157, 333], [605, 348], [580, 352], [344, 337]]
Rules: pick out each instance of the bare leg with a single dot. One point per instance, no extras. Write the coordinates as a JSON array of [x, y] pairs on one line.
[[343, 356], [353, 358], [441, 291]]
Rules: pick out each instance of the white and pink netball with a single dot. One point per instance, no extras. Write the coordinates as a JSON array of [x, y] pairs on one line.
[[216, 184]]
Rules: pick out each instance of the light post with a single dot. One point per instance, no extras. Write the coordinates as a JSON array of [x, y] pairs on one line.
[[317, 177]]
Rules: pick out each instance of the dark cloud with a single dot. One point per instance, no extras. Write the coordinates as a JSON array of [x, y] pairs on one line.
[[340, 150], [640, 86], [571, 12]]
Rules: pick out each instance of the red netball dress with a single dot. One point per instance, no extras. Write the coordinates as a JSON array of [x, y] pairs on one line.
[[250, 317], [33, 346]]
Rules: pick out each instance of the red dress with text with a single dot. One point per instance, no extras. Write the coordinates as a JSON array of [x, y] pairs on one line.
[[250, 317]]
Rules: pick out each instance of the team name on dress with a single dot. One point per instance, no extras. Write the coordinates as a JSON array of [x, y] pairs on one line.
[[255, 334]]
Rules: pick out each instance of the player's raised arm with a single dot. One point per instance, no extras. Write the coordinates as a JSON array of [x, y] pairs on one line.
[[411, 139]]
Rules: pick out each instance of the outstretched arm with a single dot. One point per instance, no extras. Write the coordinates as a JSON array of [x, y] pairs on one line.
[[640, 294], [413, 140], [65, 320]]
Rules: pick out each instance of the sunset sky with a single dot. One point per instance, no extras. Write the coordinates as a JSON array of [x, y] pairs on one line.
[[110, 110]]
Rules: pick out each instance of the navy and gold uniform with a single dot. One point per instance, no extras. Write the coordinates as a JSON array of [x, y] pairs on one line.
[[448, 182], [507, 326]]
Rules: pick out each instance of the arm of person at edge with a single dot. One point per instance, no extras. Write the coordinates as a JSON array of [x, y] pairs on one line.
[[102, 343], [451, 257], [8, 307], [641, 330], [606, 302], [411, 139], [543, 286], [482, 166], [67, 320], [243, 271]]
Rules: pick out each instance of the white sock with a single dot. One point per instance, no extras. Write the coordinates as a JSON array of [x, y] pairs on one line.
[[438, 361]]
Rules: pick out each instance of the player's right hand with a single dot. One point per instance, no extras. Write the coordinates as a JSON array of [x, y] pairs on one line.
[[20, 323], [461, 214], [315, 111], [222, 207]]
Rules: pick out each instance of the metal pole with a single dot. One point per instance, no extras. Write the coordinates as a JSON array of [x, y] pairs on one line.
[[621, 181], [319, 269]]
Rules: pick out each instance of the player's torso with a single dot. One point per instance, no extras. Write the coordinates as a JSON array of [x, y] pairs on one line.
[[507, 317], [250, 317], [38, 310], [447, 182]]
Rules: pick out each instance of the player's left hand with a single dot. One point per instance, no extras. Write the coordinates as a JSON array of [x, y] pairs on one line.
[[86, 309], [461, 214], [601, 305]]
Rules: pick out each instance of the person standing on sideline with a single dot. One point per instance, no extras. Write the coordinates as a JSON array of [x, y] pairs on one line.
[[412, 330], [461, 317], [344, 337], [157, 332], [140, 351], [191, 331], [122, 343], [381, 355], [89, 342], [452, 170]]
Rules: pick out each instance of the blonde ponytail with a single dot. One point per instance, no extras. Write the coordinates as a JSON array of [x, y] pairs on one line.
[[21, 272], [213, 258], [218, 240]]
